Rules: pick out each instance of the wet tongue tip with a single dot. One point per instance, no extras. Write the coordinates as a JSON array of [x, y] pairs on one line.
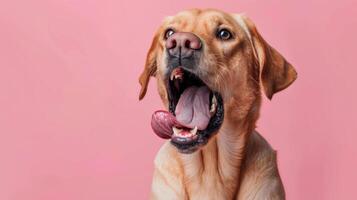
[[162, 123]]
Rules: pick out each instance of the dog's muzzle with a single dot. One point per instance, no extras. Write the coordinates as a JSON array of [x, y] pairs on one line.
[[195, 111], [183, 49]]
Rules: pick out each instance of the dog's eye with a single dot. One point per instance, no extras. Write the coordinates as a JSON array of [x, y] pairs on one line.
[[224, 34], [168, 33]]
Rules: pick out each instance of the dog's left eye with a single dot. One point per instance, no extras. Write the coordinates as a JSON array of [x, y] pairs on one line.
[[224, 34]]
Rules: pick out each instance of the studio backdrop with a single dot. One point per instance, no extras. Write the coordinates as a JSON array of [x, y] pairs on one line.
[[71, 125]]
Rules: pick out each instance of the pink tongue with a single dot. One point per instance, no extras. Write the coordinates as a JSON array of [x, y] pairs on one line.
[[191, 110]]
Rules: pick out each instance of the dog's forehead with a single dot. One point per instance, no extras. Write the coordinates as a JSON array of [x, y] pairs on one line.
[[195, 17]]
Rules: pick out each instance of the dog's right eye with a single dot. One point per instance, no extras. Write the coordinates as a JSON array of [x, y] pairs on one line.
[[224, 34], [168, 33]]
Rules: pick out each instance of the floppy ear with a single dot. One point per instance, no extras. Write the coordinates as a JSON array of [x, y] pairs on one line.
[[150, 67], [276, 73]]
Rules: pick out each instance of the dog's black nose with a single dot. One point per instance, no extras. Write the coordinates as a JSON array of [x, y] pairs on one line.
[[183, 44]]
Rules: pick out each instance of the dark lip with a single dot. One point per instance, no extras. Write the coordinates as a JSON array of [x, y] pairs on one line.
[[203, 136]]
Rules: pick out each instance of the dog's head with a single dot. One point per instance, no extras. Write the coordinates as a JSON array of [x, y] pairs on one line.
[[210, 67]]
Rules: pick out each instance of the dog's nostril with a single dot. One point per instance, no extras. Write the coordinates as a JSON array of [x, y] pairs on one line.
[[173, 44], [188, 44]]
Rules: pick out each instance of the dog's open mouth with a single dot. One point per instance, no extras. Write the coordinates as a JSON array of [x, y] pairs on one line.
[[195, 112]]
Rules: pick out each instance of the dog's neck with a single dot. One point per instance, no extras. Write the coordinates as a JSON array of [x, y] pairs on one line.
[[222, 156]]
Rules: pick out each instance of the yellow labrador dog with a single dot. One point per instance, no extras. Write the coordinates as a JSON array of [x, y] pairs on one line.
[[210, 68]]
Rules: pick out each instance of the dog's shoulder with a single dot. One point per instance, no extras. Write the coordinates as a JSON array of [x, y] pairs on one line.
[[258, 146], [260, 154]]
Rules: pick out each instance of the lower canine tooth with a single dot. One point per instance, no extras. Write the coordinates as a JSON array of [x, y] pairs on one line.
[[194, 131], [176, 130]]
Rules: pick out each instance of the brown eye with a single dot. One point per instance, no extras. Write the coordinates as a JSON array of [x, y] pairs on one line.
[[168, 33], [224, 34]]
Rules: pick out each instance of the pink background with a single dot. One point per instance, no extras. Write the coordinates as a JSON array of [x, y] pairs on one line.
[[71, 126]]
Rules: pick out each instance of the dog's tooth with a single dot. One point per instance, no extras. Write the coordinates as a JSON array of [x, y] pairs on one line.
[[214, 100], [193, 131], [178, 76], [176, 130], [213, 105], [172, 76], [213, 109]]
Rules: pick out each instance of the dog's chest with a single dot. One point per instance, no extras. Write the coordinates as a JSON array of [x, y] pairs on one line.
[[209, 188]]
